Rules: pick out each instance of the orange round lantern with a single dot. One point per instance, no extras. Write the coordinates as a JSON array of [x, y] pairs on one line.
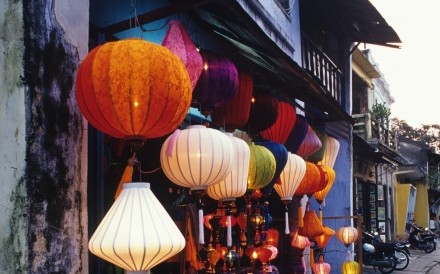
[[133, 89], [323, 239], [347, 235], [331, 176], [314, 180]]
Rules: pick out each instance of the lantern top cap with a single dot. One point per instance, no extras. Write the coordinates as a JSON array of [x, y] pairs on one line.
[[196, 126], [136, 185]]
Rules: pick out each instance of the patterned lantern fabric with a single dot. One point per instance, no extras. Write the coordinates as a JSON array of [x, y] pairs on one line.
[[264, 112], [235, 113], [330, 153], [178, 41], [197, 157], [298, 133], [218, 82], [331, 176], [314, 180], [261, 167], [133, 89], [281, 156], [310, 144], [137, 233], [291, 177], [235, 183], [319, 154], [283, 125]]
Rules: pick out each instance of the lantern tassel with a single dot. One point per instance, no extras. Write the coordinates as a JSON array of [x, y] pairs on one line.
[[320, 215], [286, 219], [229, 232], [173, 139], [300, 217], [126, 176], [201, 228]]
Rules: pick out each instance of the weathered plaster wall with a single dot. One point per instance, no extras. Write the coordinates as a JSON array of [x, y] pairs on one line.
[[13, 221], [55, 37]]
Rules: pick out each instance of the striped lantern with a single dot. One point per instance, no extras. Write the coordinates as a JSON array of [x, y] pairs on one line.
[[218, 82], [264, 111], [235, 183], [331, 176], [350, 267], [347, 235], [298, 133], [290, 178], [137, 233], [330, 153], [283, 125], [133, 89], [235, 113], [319, 154], [310, 144], [281, 156], [261, 167], [178, 41], [197, 157], [321, 267]]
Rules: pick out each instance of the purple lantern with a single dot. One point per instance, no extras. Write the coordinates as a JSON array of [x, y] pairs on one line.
[[297, 134], [217, 84]]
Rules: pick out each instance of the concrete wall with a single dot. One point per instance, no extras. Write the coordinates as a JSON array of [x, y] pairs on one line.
[[43, 218]]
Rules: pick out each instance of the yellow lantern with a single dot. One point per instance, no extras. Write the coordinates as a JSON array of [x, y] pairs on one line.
[[347, 235], [350, 267], [261, 167], [331, 176]]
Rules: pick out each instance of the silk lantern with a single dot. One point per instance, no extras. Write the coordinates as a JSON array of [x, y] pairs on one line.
[[235, 113], [350, 267], [178, 41], [321, 267], [261, 167], [314, 180], [235, 183], [323, 239], [264, 111], [330, 153], [283, 125], [347, 235], [217, 84], [310, 144], [319, 154], [280, 153], [298, 133], [312, 225], [197, 157], [331, 176], [137, 233], [133, 89], [300, 242], [290, 178]]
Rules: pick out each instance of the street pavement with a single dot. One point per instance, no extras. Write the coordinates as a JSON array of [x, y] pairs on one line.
[[419, 262]]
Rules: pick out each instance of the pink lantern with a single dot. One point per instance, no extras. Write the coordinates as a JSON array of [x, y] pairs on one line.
[[321, 267], [310, 144], [178, 41], [300, 242]]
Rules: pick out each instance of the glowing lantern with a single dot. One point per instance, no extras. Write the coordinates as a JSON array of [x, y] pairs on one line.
[[272, 237], [314, 180], [197, 157], [224, 222], [321, 267], [330, 153], [280, 153], [274, 251], [310, 144], [290, 178], [323, 239], [312, 225], [235, 183], [350, 267], [264, 255], [300, 242], [133, 89], [347, 235], [283, 125], [136, 233], [217, 84], [178, 41], [331, 176], [298, 133], [264, 111], [319, 154], [235, 113], [206, 221], [261, 167]]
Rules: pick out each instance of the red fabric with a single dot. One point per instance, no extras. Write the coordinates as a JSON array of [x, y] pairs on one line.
[[282, 127]]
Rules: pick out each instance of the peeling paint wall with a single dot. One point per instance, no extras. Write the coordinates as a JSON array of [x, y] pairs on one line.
[[43, 138], [13, 216]]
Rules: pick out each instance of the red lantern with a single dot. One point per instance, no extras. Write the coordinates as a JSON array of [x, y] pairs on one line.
[[283, 125], [310, 144], [178, 41], [272, 237], [264, 111], [133, 89], [235, 113]]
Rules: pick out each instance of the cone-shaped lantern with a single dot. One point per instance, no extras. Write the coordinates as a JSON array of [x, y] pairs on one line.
[[178, 41], [310, 144], [264, 111], [235, 113], [331, 175], [323, 239], [133, 89], [235, 183], [137, 233], [330, 153], [281, 155], [261, 167], [312, 225], [218, 82], [283, 125], [298, 133], [300, 242]]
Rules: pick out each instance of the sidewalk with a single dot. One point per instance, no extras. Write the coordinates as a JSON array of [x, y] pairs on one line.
[[419, 262]]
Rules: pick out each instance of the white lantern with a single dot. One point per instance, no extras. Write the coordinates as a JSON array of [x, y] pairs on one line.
[[136, 233], [330, 152]]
